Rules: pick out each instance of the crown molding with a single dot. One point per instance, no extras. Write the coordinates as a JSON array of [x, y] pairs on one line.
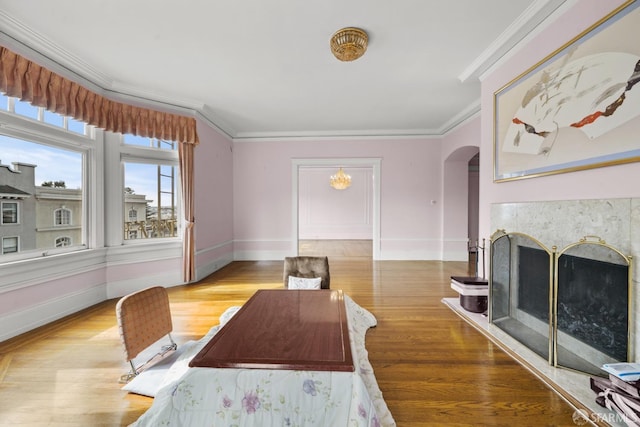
[[18, 37], [566, 5], [532, 17], [22, 40], [462, 117], [337, 135]]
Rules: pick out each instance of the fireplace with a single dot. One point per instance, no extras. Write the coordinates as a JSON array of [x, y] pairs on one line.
[[593, 301], [570, 307], [520, 290]]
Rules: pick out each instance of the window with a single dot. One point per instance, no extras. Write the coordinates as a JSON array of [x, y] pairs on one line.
[[62, 242], [103, 189], [150, 142], [9, 245], [27, 110], [4, 102], [9, 212], [62, 216], [150, 188], [46, 172]]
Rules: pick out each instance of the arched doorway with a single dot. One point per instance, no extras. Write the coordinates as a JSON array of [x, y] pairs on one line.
[[460, 203]]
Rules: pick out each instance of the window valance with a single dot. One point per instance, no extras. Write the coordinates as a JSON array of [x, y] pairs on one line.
[[30, 82]]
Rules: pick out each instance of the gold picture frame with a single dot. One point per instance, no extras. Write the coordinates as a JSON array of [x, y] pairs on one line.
[[578, 108]]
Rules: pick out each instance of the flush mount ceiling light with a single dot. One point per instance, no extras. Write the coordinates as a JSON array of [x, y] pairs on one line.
[[340, 180], [349, 44]]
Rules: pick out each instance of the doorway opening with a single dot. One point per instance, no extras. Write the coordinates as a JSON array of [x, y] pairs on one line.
[[339, 223]]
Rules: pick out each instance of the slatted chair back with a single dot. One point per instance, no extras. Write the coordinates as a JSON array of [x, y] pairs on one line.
[[143, 318]]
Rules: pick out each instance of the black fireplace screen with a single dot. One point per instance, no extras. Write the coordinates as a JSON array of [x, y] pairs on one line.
[[592, 303]]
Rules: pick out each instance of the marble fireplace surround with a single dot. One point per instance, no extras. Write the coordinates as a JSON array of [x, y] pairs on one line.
[[561, 223]]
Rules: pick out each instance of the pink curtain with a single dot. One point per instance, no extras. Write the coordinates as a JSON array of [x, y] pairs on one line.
[[185, 153], [30, 82]]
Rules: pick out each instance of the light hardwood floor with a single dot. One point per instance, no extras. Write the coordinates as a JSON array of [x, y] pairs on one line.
[[432, 367], [336, 248]]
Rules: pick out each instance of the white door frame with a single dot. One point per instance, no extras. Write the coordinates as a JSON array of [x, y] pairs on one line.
[[374, 163]]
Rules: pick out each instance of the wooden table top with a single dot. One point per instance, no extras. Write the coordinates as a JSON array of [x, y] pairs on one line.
[[283, 329]]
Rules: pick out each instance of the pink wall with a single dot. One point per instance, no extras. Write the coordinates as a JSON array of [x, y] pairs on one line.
[[213, 199], [608, 182], [41, 293], [410, 177], [458, 147]]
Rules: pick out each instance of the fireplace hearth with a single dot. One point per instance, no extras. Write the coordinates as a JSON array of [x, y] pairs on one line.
[[570, 307]]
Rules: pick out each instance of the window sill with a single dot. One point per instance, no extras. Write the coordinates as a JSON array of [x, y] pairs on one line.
[[34, 271]]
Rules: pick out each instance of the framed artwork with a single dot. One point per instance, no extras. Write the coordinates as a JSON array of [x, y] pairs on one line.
[[578, 108]]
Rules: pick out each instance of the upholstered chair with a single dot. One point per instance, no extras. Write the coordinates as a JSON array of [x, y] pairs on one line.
[[307, 267]]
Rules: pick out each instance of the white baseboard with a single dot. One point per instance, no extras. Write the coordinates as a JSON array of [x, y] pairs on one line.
[[256, 255], [13, 324], [120, 288], [213, 266]]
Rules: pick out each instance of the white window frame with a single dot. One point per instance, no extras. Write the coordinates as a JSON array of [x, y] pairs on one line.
[[90, 147], [13, 202], [132, 215], [64, 213], [17, 238], [66, 239], [117, 153], [11, 107]]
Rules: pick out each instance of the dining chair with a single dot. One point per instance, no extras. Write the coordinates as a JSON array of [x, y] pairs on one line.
[[298, 268]]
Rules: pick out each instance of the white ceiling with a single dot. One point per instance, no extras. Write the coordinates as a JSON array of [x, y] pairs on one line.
[[262, 68]]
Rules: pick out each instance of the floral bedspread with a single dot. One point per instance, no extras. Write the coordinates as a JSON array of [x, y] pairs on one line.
[[265, 397]]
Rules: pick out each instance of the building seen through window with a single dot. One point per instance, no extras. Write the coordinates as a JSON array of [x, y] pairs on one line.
[[150, 188], [34, 214], [152, 214], [9, 212]]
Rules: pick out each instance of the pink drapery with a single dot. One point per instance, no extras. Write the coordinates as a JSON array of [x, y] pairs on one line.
[[30, 82], [185, 153]]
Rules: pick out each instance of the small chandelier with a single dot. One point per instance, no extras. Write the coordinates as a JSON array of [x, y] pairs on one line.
[[340, 181], [349, 44]]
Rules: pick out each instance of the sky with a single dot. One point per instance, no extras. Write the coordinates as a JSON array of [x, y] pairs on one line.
[[53, 164], [56, 164]]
